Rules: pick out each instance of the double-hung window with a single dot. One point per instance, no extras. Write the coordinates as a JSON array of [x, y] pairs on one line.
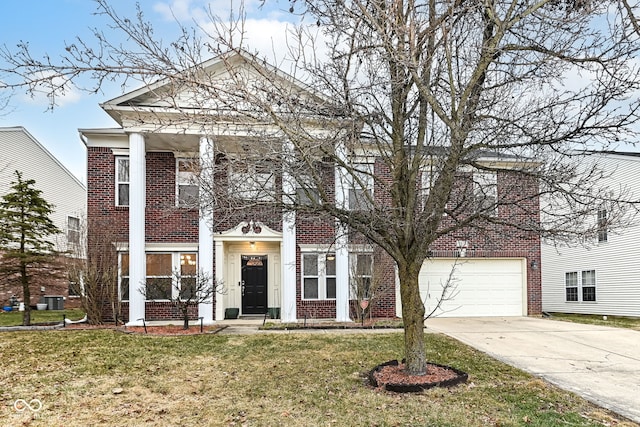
[[319, 276], [187, 187], [252, 181], [589, 285], [361, 186], [73, 230], [602, 226], [361, 275], [580, 286], [571, 286], [122, 181], [485, 191]]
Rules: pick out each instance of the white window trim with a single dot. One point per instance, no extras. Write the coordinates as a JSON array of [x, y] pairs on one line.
[[353, 268], [190, 177], [175, 266], [322, 276], [117, 182], [73, 230], [485, 185], [364, 172], [580, 286], [248, 183], [602, 231]]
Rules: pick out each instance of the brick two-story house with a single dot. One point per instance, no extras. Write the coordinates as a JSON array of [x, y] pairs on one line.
[[139, 184]]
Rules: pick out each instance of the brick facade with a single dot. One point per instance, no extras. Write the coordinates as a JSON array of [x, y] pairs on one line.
[[165, 223]]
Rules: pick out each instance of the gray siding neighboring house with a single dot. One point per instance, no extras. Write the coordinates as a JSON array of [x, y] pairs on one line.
[[21, 151], [603, 276]]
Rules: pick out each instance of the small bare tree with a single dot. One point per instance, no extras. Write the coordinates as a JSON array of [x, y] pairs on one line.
[[92, 268], [185, 290], [368, 285]]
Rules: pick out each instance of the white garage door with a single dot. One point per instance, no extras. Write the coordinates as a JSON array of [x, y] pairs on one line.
[[481, 287]]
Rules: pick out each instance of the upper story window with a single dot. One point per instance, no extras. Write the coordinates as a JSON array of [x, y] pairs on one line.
[[122, 181], [252, 181], [73, 230], [602, 226], [361, 187], [485, 191], [307, 194], [187, 188]]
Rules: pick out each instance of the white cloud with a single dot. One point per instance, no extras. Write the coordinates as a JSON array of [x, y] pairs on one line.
[[50, 91]]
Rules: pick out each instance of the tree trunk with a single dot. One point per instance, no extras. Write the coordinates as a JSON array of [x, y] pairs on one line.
[[413, 318], [185, 316], [26, 293]]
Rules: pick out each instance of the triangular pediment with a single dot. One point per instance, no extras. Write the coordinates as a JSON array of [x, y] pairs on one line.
[[225, 86]]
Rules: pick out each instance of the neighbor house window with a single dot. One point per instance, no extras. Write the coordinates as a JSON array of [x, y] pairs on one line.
[[580, 287], [187, 190], [307, 192], [122, 181], [602, 225], [571, 285], [589, 285], [159, 276], [361, 187], [485, 191], [319, 276], [361, 274], [73, 230], [250, 181], [75, 288]]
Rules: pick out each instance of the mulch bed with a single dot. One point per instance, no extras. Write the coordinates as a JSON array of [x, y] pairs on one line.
[[168, 330], [391, 376]]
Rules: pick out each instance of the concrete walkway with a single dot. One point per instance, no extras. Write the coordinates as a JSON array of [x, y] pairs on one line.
[[599, 363]]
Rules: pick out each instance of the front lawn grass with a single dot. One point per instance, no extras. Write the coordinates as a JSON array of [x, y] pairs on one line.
[[14, 318], [596, 319], [103, 377]]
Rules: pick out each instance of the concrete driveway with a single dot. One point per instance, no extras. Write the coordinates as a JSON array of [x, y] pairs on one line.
[[599, 363]]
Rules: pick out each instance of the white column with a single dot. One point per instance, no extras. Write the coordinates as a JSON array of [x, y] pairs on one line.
[[205, 231], [342, 248], [137, 203], [288, 312], [220, 279]]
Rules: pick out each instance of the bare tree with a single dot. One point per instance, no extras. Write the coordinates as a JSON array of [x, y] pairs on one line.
[[430, 91], [185, 290], [92, 267]]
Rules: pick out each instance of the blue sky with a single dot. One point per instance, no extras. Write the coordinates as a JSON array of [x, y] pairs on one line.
[[47, 24]]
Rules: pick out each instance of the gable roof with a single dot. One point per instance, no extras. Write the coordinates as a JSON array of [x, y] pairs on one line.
[[20, 133], [219, 70]]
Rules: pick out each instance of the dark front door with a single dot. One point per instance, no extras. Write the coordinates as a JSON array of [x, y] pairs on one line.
[[254, 284]]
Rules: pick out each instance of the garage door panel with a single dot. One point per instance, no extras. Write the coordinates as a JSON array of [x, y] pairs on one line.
[[487, 287]]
